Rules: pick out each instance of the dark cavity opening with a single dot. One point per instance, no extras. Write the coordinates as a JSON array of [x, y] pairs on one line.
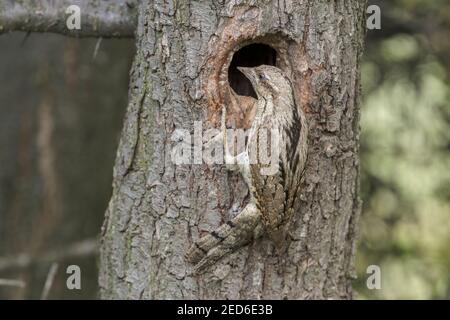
[[252, 55]]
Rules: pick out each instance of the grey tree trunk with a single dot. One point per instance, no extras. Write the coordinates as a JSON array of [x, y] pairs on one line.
[[180, 75]]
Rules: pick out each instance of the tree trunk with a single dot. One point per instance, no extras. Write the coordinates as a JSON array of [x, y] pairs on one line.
[[186, 52]]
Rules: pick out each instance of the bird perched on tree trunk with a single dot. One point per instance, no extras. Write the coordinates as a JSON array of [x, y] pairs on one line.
[[274, 186]]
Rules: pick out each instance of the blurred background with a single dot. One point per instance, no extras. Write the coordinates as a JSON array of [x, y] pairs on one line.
[[405, 152], [62, 101], [61, 106]]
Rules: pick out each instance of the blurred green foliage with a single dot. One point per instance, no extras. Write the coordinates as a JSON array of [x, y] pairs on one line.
[[405, 153]]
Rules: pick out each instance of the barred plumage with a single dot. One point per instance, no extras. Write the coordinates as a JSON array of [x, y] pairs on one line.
[[272, 194]]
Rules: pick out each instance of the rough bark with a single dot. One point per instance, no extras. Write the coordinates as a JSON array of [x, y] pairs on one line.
[[180, 76], [99, 18]]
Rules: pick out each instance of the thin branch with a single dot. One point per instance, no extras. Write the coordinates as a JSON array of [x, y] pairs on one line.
[[12, 283], [24, 260], [97, 47], [99, 18], [49, 281]]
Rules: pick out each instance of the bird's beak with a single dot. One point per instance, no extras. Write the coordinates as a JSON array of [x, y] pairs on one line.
[[248, 72]]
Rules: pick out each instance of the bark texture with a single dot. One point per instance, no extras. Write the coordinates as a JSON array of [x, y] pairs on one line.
[[180, 76], [99, 18]]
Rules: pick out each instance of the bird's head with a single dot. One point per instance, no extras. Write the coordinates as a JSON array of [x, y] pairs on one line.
[[267, 81]]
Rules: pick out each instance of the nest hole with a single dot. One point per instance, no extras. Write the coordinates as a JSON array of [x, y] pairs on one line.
[[252, 55]]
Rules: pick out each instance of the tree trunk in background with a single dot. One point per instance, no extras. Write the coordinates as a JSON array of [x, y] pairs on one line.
[[180, 75], [61, 114]]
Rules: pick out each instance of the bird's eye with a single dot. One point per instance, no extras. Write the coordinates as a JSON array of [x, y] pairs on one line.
[[262, 76]]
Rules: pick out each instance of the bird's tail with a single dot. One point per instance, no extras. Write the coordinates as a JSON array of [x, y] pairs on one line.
[[226, 239]]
